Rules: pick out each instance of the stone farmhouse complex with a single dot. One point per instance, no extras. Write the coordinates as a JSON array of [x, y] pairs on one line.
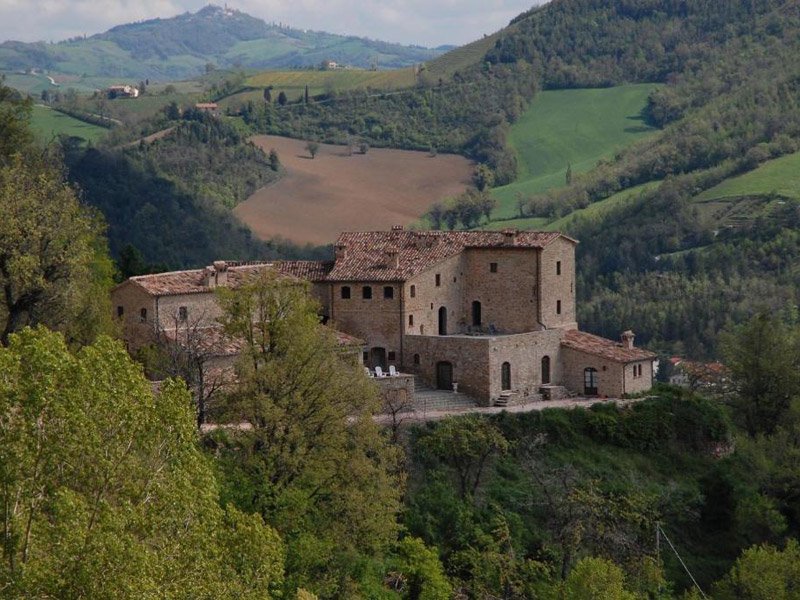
[[491, 313]]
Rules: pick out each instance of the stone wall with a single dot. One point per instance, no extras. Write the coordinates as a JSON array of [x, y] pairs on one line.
[[477, 361], [428, 298], [397, 393], [202, 310], [557, 287], [376, 321], [132, 299], [508, 296], [614, 379]]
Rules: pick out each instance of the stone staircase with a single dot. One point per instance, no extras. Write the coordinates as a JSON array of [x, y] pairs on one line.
[[427, 399]]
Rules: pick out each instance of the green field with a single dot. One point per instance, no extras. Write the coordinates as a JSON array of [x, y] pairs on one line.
[[780, 177], [48, 123], [571, 127], [293, 83]]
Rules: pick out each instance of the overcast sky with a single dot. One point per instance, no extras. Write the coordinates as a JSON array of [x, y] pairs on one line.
[[425, 22]]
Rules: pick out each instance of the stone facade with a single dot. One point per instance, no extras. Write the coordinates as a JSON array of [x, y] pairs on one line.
[[493, 312]]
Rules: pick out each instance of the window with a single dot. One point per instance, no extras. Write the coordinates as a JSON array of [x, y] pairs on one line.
[[505, 375], [416, 359], [366, 292], [558, 267], [143, 315], [120, 311], [438, 280], [410, 320], [183, 313], [493, 267], [590, 383], [545, 369], [388, 292], [476, 314], [391, 356], [345, 292], [365, 357], [558, 307], [413, 291]]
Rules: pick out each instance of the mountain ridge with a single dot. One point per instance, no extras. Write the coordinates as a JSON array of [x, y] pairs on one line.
[[182, 46]]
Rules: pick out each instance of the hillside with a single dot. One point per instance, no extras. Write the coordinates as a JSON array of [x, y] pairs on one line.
[[47, 124], [182, 46], [571, 129]]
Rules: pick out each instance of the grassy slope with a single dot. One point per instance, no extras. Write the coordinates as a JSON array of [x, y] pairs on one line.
[[780, 176], [577, 127], [460, 58], [293, 83], [48, 123]]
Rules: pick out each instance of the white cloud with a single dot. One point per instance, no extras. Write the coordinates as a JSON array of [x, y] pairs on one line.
[[425, 22]]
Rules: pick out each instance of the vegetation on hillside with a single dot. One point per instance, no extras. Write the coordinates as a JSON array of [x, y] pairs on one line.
[[189, 44]]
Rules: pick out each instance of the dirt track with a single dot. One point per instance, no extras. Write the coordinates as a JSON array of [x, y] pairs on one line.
[[334, 192]]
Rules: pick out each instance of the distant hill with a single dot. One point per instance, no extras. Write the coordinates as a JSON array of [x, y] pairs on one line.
[[182, 46]]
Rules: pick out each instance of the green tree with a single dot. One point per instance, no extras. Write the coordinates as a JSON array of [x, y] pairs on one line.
[[568, 175], [762, 356], [466, 444], [282, 99], [483, 177], [596, 579], [763, 573], [15, 112], [54, 267], [105, 491], [274, 160], [417, 572], [315, 465], [312, 148]]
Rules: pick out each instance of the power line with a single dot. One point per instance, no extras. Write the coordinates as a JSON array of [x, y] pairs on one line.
[[659, 532]]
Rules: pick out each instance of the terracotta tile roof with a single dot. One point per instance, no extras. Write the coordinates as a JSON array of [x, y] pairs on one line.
[[345, 339], [608, 349], [193, 281], [398, 255]]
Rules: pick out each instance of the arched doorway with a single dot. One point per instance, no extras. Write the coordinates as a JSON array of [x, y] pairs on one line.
[[444, 376], [476, 314], [377, 358], [545, 369], [505, 376], [590, 381], [443, 321]]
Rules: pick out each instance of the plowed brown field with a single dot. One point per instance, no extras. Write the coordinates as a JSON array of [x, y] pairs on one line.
[[317, 199]]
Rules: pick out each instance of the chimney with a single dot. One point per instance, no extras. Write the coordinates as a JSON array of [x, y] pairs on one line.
[[627, 339], [510, 236], [221, 272], [209, 277], [340, 251], [397, 228], [392, 259], [419, 240]]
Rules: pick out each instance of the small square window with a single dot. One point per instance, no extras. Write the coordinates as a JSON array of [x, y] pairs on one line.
[[391, 356], [410, 320], [416, 359], [413, 291], [120, 311], [558, 307], [438, 280], [366, 292], [345, 292], [493, 267], [183, 313], [143, 315], [388, 292], [558, 267]]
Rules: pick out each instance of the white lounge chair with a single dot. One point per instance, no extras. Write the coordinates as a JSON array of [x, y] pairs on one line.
[[368, 372], [379, 372], [392, 371]]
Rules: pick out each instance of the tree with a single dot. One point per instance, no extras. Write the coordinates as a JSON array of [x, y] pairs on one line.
[[483, 177], [486, 203], [54, 266], [596, 579], [15, 112], [363, 147], [315, 465], [282, 99], [417, 572], [568, 175], [762, 356], [142, 88], [172, 111], [466, 444], [763, 573], [106, 492], [312, 148], [274, 160], [436, 215], [268, 94], [305, 95]]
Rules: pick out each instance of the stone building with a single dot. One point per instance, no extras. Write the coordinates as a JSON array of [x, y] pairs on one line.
[[489, 312]]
